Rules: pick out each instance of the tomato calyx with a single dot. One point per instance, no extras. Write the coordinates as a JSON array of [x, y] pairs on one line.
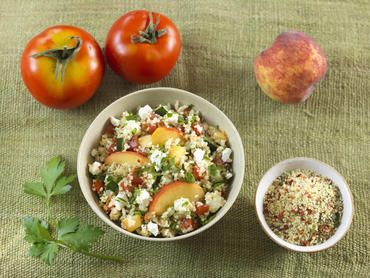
[[62, 56], [150, 34]]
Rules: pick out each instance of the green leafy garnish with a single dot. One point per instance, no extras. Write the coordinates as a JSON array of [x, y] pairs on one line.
[[189, 178], [45, 239]]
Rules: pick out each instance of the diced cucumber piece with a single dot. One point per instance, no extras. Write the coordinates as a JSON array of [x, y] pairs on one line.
[[161, 111]]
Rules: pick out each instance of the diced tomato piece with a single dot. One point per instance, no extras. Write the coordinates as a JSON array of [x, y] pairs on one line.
[[197, 174], [201, 210], [149, 128], [198, 128], [97, 185], [136, 181], [187, 224], [124, 187]]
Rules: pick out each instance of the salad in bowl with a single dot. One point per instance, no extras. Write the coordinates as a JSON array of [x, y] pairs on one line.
[[161, 171]]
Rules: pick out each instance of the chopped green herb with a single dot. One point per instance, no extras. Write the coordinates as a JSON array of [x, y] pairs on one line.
[[112, 186], [119, 144], [132, 117], [189, 178], [157, 181], [211, 144]]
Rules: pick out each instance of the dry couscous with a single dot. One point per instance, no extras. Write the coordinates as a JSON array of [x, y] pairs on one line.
[[303, 207], [161, 171]]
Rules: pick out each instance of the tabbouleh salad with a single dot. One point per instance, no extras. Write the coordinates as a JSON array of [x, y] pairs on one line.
[[303, 207], [162, 171]]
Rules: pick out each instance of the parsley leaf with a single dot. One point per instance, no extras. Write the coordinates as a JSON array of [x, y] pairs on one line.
[[38, 235], [53, 183], [82, 237], [66, 226], [35, 188], [70, 233], [36, 230]]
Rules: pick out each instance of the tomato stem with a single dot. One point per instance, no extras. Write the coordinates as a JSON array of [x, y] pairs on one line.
[[62, 56], [150, 34]]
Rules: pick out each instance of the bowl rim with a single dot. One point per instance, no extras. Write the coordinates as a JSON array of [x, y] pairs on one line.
[[289, 246], [229, 201]]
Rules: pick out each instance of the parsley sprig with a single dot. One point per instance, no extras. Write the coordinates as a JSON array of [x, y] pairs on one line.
[[69, 233]]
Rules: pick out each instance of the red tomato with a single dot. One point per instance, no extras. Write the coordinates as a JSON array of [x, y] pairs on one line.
[[144, 58], [97, 185], [196, 173], [45, 78], [198, 128], [201, 210], [187, 224]]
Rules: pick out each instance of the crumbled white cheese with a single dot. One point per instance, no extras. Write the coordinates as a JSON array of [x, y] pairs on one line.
[[214, 200], [183, 206], [199, 128], [153, 228], [173, 119], [156, 158], [143, 199], [119, 199], [144, 112], [228, 175], [114, 214], [144, 230], [225, 155], [198, 156], [131, 127], [114, 121], [95, 168]]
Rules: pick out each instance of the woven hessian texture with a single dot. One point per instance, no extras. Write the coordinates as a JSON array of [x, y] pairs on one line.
[[220, 41]]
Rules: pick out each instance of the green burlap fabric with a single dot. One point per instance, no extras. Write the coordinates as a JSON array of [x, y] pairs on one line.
[[220, 41]]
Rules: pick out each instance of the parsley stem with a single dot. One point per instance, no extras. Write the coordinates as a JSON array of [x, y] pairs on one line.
[[90, 254]]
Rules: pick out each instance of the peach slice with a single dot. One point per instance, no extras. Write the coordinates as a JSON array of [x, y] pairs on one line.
[[131, 223], [169, 193], [177, 152], [162, 134], [145, 141], [133, 159]]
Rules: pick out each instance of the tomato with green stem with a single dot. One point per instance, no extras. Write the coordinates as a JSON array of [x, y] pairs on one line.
[[62, 66], [142, 47]]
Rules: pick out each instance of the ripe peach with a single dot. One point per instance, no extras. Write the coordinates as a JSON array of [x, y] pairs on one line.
[[290, 68]]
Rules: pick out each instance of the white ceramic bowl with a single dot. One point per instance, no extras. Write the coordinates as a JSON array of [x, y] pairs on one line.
[[154, 97], [321, 168]]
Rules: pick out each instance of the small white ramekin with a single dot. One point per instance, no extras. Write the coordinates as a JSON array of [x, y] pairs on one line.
[[321, 168]]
